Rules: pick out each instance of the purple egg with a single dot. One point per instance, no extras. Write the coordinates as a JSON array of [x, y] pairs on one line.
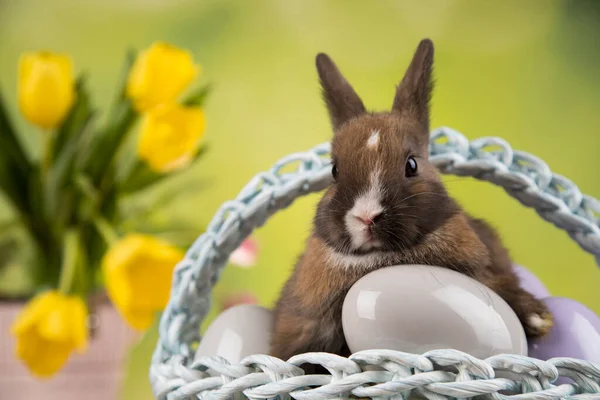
[[530, 282], [576, 332]]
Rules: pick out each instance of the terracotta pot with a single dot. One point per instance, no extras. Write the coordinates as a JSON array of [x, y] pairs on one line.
[[95, 375]]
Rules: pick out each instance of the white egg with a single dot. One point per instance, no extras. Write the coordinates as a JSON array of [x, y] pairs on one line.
[[237, 332], [417, 308]]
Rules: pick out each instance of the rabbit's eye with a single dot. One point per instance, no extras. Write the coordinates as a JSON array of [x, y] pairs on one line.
[[334, 171], [411, 167]]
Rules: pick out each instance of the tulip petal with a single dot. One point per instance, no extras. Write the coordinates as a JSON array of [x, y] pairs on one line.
[[32, 312], [50, 331], [79, 328], [170, 136], [46, 87], [139, 319], [115, 275], [138, 271], [55, 325], [160, 74], [42, 357]]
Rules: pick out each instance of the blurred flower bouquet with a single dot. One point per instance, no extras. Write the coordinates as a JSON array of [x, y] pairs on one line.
[[68, 201]]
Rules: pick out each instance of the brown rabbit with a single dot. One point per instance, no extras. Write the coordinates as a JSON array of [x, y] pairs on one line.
[[387, 206]]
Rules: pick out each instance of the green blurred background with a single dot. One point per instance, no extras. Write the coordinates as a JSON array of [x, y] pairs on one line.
[[523, 70]]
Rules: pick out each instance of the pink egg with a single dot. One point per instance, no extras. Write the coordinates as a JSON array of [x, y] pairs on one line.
[[530, 282], [576, 332]]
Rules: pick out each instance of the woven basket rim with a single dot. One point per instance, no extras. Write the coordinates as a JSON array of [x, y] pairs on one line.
[[524, 177]]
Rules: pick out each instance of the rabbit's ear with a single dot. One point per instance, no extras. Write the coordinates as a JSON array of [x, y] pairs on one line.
[[342, 101], [414, 92]]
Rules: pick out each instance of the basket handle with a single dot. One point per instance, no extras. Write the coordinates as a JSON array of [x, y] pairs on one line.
[[524, 176]]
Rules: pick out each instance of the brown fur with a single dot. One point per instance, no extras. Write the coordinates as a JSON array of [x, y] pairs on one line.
[[421, 224]]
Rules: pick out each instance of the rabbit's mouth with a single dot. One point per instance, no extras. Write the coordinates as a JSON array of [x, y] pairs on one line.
[[364, 238], [371, 244]]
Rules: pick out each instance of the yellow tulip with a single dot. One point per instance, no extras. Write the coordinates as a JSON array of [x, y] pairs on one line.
[[46, 87], [48, 330], [159, 74], [137, 272], [170, 136]]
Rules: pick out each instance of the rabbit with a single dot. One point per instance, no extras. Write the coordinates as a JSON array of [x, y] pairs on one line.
[[386, 206]]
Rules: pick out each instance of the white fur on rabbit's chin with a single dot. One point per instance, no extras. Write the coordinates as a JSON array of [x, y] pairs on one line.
[[350, 261]]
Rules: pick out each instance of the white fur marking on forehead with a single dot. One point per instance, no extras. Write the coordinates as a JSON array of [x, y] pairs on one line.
[[367, 205], [373, 141]]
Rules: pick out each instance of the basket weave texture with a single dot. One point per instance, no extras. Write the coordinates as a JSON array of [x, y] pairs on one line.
[[436, 375]]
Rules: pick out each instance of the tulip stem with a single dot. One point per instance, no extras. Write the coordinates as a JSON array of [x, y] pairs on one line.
[[69, 261], [47, 151], [106, 231]]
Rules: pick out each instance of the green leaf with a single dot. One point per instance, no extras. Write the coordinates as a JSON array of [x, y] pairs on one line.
[[37, 216], [58, 185], [15, 166], [99, 153], [70, 257], [77, 119], [198, 97], [8, 250], [13, 183], [21, 182], [142, 176], [7, 226], [17, 260], [122, 82], [91, 197], [9, 141], [107, 142], [96, 246]]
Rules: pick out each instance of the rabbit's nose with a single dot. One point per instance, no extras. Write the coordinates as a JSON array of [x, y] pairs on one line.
[[368, 219]]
